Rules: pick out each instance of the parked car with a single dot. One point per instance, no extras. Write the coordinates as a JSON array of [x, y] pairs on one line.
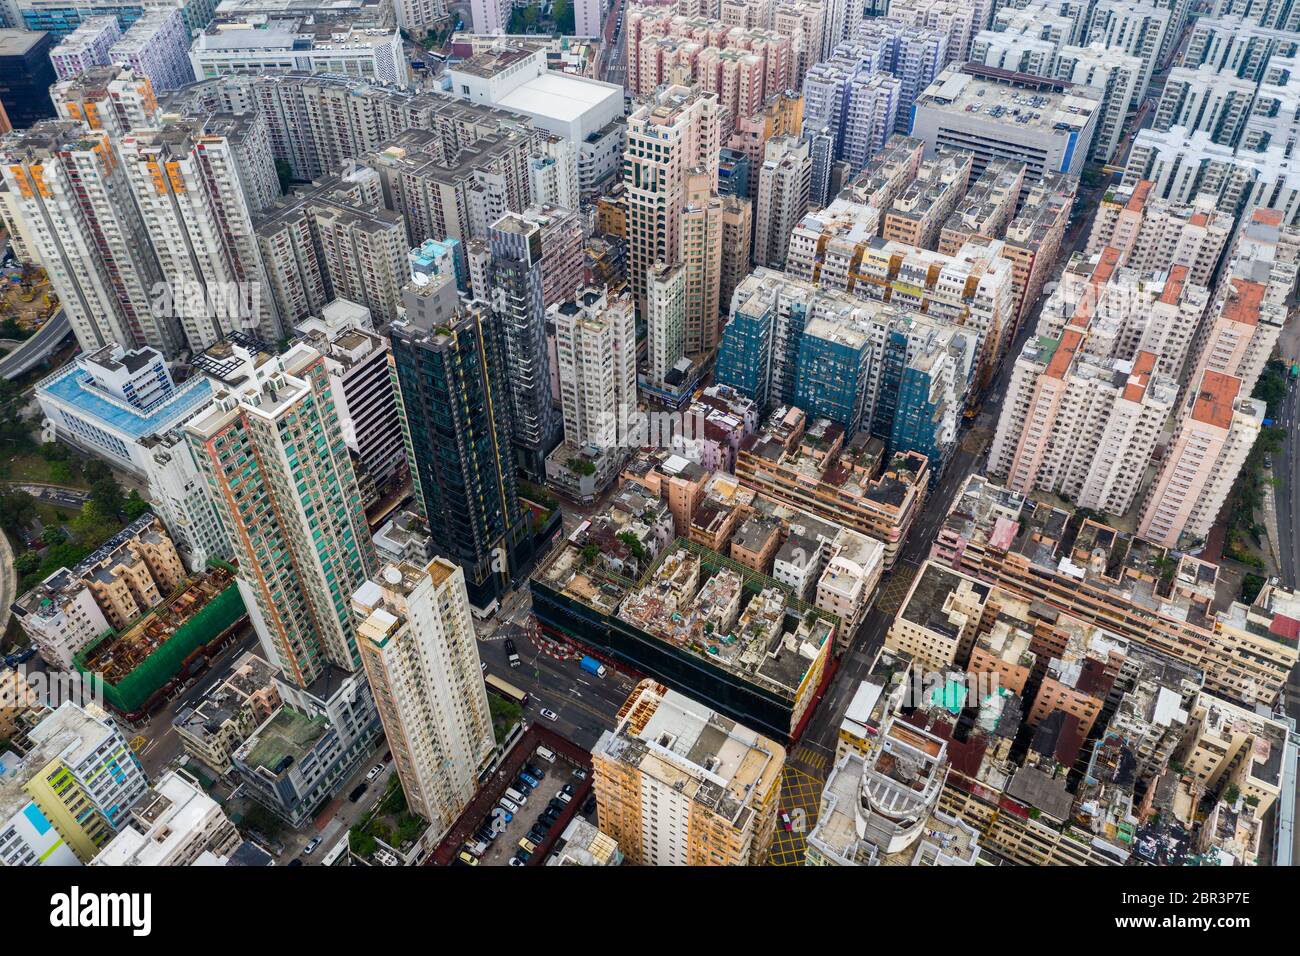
[[580, 773], [589, 806], [515, 861], [529, 779], [467, 859], [537, 772], [310, 848], [549, 714], [563, 797], [509, 806], [375, 771], [357, 791], [785, 821], [523, 786], [567, 788]]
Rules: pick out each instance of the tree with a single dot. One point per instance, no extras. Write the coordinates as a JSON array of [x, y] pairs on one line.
[[562, 13], [135, 506], [1251, 585], [17, 509], [27, 563], [284, 173], [106, 495], [53, 536], [95, 470]]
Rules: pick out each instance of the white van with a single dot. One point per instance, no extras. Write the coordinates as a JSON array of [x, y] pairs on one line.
[[509, 804], [546, 754], [515, 796]]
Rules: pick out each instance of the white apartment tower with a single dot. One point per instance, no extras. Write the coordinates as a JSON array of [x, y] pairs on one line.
[[784, 182], [1133, 27], [595, 347], [665, 319], [73, 194], [188, 182], [1155, 235], [415, 634], [490, 16]]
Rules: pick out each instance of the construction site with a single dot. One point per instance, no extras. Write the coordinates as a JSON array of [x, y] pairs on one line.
[[140, 664]]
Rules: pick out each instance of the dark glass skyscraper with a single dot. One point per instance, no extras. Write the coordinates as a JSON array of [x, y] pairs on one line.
[[519, 305], [456, 405]]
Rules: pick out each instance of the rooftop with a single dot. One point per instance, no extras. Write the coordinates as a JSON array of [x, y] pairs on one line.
[[711, 759]]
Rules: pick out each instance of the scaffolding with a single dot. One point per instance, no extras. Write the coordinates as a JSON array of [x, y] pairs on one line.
[[133, 664]]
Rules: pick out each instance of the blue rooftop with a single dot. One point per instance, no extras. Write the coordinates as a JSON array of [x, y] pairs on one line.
[[72, 387]]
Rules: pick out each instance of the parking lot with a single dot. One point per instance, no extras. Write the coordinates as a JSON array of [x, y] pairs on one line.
[[568, 758], [558, 774]]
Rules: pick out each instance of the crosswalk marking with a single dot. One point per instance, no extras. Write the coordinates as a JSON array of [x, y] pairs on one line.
[[811, 757]]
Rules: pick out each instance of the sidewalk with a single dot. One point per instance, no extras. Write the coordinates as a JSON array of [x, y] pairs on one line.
[[1270, 520]]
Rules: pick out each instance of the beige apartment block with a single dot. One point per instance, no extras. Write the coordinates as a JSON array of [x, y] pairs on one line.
[[680, 785]]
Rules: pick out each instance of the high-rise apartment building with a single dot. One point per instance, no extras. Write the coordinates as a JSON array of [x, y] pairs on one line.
[[737, 246], [490, 16], [1249, 308], [678, 784], [274, 455], [444, 190], [416, 638], [456, 412], [1135, 27], [358, 360], [334, 241], [595, 344], [76, 200], [108, 98], [519, 257], [157, 47], [675, 132], [1211, 441], [784, 182], [84, 47], [957, 22], [665, 320], [1155, 235], [188, 183], [701, 254], [1117, 75], [913, 54]]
